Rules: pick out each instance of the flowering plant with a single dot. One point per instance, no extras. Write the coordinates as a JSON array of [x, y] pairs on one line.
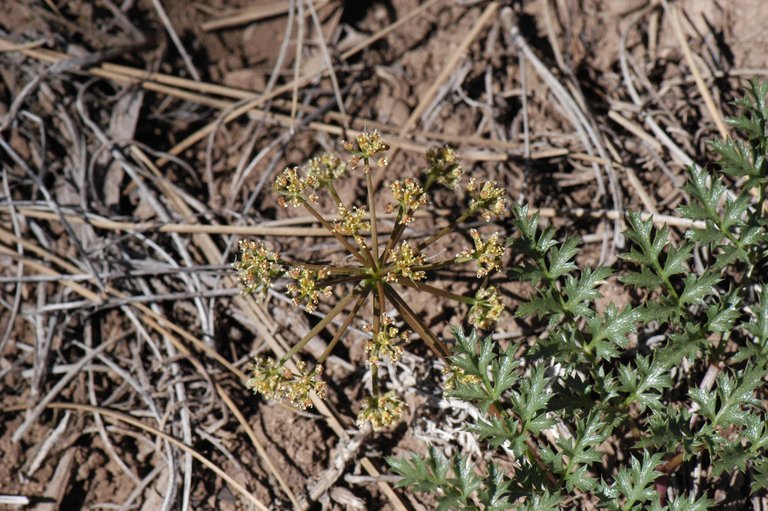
[[378, 271]]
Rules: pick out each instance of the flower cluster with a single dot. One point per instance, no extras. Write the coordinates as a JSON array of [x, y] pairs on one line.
[[366, 146], [488, 199], [444, 166], [381, 411], [404, 259], [352, 222], [306, 288], [387, 343], [324, 170], [487, 307], [257, 268], [380, 265], [455, 375], [275, 381], [487, 254], [290, 185], [410, 196]]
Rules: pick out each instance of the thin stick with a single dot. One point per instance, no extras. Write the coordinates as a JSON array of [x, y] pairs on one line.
[[251, 14], [328, 62], [426, 99], [175, 38], [257, 444], [703, 90], [297, 63], [127, 419]]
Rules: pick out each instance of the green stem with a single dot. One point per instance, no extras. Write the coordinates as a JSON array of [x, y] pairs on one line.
[[342, 280], [334, 193], [442, 264], [436, 291], [378, 307], [394, 237], [322, 324], [352, 250], [344, 326], [372, 212], [442, 232], [333, 270], [434, 344]]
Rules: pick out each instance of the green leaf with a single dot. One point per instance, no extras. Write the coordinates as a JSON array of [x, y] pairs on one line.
[[644, 279], [691, 504], [758, 325], [495, 430], [541, 305], [705, 192], [531, 399], [467, 481], [641, 232], [675, 262], [612, 327], [697, 288], [737, 158], [543, 502], [420, 474], [722, 316], [636, 483], [582, 291], [685, 344], [560, 262], [733, 393], [495, 493], [730, 458], [580, 449], [760, 476], [644, 383]]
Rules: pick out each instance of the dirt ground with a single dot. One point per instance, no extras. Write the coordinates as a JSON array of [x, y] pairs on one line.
[[132, 131]]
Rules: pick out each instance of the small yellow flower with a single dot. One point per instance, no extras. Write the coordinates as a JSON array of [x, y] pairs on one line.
[[367, 145], [410, 196], [325, 169], [306, 288], [488, 199], [275, 381], [266, 378], [487, 308], [381, 411], [386, 344], [444, 166], [352, 223], [404, 258], [298, 387], [456, 375], [290, 186], [256, 269], [487, 254]]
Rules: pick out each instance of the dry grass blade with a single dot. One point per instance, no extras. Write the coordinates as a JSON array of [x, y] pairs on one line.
[[705, 94], [127, 419], [449, 67], [175, 38], [251, 14], [154, 320], [257, 444]]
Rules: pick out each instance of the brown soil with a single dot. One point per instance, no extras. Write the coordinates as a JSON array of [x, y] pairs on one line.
[[76, 137]]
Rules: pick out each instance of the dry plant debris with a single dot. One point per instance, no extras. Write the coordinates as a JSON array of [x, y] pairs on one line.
[[139, 139]]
